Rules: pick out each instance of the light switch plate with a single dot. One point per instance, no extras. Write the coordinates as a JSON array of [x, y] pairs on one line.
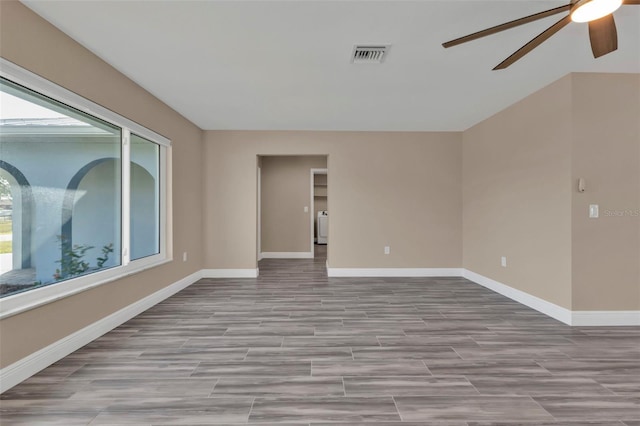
[[594, 211]]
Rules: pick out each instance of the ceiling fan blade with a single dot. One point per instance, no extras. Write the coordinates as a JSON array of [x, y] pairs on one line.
[[631, 2], [603, 36], [508, 25], [537, 41]]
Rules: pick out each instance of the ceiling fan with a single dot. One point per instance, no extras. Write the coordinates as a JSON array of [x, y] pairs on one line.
[[598, 13]]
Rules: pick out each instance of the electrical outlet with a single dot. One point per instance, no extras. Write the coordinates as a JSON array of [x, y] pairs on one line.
[[387, 249], [306, 209], [503, 261], [184, 256]]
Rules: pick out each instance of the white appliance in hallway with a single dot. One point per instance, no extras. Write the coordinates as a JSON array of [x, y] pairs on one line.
[[323, 226]]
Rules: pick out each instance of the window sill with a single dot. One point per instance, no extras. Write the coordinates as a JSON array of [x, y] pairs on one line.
[[22, 302]]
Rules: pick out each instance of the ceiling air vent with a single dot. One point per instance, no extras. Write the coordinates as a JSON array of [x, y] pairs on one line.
[[369, 54]]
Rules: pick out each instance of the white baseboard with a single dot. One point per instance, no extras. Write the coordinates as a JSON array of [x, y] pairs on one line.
[[540, 305], [394, 272], [287, 255], [605, 318], [574, 318], [21, 370], [229, 273]]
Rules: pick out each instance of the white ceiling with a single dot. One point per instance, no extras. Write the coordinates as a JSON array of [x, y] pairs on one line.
[[285, 65]]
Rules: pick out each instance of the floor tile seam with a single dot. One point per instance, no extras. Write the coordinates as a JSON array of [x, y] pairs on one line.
[[246, 354], [396, 406], [317, 398], [471, 336], [456, 352], [395, 376], [427, 367], [251, 409], [545, 369], [466, 377], [213, 389], [415, 395], [533, 398], [613, 393], [172, 410]]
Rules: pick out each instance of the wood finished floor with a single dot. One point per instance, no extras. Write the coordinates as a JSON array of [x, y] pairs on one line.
[[296, 347]]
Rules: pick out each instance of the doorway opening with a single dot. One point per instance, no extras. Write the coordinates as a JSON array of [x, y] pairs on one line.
[[288, 205], [319, 207]]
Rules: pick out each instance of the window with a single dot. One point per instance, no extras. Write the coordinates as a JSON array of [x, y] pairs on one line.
[[145, 236], [82, 193]]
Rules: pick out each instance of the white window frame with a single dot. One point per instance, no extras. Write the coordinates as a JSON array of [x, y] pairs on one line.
[[30, 299]]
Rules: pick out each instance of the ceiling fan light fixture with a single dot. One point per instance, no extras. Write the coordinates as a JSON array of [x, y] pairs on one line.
[[590, 10]]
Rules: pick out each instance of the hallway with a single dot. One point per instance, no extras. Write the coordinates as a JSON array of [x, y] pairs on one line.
[[293, 346]]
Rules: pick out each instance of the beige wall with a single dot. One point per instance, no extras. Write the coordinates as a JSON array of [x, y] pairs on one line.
[[517, 199], [286, 190], [34, 44], [606, 153], [398, 189], [521, 169]]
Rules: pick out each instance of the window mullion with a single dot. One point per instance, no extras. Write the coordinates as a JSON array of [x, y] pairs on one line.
[[126, 196]]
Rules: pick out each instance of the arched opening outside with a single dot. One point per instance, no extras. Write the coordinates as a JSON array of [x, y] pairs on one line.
[[144, 213], [91, 226], [20, 217], [90, 236]]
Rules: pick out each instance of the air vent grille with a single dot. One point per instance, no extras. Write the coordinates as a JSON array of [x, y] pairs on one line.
[[369, 54]]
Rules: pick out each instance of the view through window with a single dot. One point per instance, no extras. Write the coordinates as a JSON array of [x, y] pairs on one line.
[[61, 192]]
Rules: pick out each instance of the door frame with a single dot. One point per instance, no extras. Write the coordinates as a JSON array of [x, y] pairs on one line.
[[259, 224], [312, 211]]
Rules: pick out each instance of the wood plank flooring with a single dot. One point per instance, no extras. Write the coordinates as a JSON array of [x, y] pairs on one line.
[[298, 348]]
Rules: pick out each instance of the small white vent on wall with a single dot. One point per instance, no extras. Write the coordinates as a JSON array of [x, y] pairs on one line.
[[373, 54]]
